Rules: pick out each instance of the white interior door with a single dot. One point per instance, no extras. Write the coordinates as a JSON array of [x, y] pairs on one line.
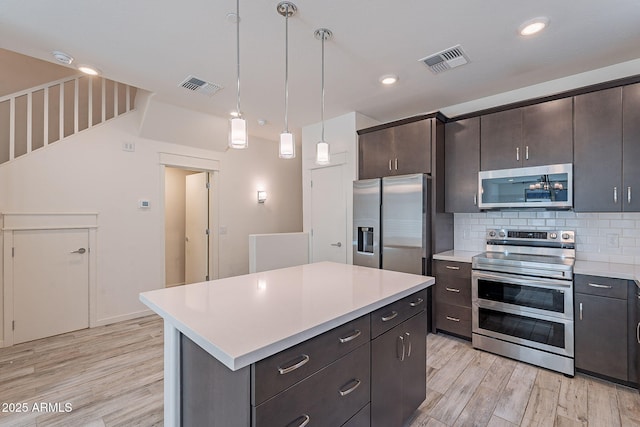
[[50, 282], [196, 226], [328, 215]]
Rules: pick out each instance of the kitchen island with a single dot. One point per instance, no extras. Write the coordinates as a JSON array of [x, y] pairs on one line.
[[240, 350]]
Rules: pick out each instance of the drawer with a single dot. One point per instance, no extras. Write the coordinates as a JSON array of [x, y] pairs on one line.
[[397, 312], [361, 419], [330, 397], [282, 370], [601, 286], [451, 269], [454, 319], [453, 290]]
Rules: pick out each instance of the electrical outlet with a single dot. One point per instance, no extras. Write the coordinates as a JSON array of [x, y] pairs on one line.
[[128, 146], [612, 241]]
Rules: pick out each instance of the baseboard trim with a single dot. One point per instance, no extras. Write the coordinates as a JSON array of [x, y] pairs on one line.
[[121, 318]]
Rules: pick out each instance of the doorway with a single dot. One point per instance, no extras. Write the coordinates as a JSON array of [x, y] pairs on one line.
[[187, 226]]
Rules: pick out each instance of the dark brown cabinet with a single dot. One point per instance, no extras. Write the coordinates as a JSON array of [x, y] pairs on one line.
[[395, 150], [601, 326], [453, 297], [539, 134], [398, 372], [462, 163], [607, 150]]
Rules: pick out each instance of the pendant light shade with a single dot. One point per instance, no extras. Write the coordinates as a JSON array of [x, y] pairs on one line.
[[287, 148], [238, 137], [323, 153]]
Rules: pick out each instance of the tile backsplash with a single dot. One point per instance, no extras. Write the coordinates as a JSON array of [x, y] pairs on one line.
[[608, 237]]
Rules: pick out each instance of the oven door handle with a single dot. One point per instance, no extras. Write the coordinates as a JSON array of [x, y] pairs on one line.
[[528, 281]]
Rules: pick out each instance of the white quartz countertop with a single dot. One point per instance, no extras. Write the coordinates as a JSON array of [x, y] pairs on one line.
[[608, 269], [456, 255], [241, 320]]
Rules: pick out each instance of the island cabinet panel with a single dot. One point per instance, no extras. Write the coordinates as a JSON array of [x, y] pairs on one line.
[[398, 372], [601, 326], [395, 313], [361, 419], [453, 297], [598, 151], [330, 397], [280, 371], [462, 163]]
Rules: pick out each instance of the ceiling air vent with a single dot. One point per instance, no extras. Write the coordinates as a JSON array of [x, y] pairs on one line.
[[198, 85], [447, 59]]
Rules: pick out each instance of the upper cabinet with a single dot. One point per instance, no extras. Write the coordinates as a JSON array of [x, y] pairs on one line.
[[396, 150], [536, 135], [462, 163], [607, 150]]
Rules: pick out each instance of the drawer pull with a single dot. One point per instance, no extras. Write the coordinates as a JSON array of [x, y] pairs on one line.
[[453, 319], [351, 337], [457, 291], [452, 267], [408, 339], [416, 302], [595, 285], [391, 316], [304, 359], [301, 421], [356, 384]]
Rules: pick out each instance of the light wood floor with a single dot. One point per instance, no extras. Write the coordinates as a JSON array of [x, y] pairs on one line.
[[112, 376]]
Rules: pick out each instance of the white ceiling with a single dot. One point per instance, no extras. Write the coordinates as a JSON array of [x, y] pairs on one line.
[[155, 44]]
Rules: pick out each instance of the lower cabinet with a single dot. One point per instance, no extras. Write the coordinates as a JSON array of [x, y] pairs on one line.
[[601, 326], [398, 372], [453, 297]]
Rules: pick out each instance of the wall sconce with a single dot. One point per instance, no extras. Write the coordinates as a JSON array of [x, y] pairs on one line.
[[262, 196]]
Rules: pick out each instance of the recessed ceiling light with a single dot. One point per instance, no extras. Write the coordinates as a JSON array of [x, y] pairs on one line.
[[87, 69], [62, 57], [533, 26], [388, 79]]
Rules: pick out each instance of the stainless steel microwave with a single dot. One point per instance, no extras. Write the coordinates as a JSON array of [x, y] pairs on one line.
[[549, 186]]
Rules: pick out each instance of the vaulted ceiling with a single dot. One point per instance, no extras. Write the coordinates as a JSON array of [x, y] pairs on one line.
[[156, 44]]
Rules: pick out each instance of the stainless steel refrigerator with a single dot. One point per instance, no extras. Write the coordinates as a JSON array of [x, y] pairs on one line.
[[391, 223]]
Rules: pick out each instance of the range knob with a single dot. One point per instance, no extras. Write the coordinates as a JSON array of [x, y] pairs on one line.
[[502, 234], [492, 233], [566, 236], [553, 235]]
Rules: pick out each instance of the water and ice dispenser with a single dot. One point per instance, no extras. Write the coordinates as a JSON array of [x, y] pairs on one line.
[[365, 240]]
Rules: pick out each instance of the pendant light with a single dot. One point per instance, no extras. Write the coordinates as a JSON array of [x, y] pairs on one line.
[[287, 148], [322, 147], [238, 133]]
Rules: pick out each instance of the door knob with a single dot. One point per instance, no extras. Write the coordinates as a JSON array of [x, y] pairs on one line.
[[79, 251], [339, 244]]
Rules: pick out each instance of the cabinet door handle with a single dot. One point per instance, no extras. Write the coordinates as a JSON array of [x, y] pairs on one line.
[[629, 195], [518, 153], [453, 319], [351, 337], [301, 421], [451, 267], [615, 194], [356, 384], [526, 152], [457, 291], [638, 332], [595, 285], [475, 199], [408, 339], [396, 163], [303, 360], [416, 302], [580, 311], [391, 316], [390, 164], [400, 351]]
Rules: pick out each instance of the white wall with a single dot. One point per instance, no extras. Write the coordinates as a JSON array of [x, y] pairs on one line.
[[174, 220], [89, 172], [341, 133]]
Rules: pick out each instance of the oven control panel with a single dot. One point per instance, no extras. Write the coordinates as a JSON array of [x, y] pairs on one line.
[[506, 235]]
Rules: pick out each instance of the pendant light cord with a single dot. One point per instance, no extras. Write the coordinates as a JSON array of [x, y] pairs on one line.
[[323, 36], [286, 69], [238, 52]]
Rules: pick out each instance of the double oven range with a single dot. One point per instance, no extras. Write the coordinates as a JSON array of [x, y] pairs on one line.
[[522, 297]]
